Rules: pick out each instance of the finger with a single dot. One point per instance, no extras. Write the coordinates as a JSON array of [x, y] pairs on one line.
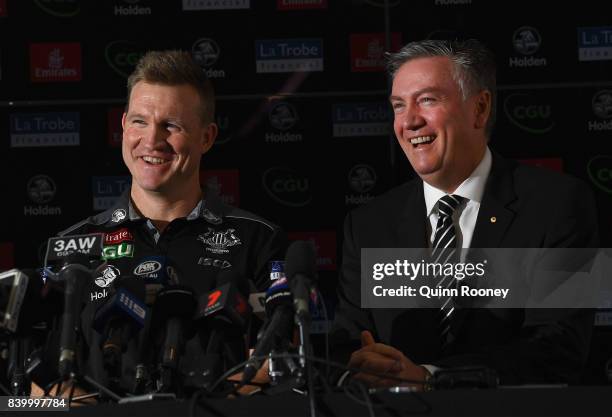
[[375, 381], [367, 338], [386, 350], [372, 362]]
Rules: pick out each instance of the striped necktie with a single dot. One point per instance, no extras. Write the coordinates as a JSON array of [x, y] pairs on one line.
[[444, 250]]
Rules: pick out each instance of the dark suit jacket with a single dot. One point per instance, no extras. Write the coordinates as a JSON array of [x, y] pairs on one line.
[[534, 208]]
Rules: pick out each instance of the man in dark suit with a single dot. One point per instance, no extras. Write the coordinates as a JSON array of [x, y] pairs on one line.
[[465, 196]]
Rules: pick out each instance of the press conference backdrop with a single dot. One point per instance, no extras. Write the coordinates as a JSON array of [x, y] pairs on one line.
[[305, 128]]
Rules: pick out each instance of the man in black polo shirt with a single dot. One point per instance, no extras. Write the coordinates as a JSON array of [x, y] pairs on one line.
[[167, 229]]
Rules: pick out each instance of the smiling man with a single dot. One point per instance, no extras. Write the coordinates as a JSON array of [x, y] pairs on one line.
[[167, 229], [464, 196]]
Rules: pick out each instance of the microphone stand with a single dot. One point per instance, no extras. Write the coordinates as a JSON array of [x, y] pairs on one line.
[[304, 349], [19, 379]]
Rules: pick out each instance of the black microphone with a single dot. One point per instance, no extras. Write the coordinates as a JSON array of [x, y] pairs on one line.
[[223, 318], [157, 272], [277, 330], [74, 256], [174, 307], [75, 276], [300, 269], [228, 302], [122, 315], [20, 297]]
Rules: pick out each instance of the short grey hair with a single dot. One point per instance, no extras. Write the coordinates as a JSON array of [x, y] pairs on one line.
[[474, 66]]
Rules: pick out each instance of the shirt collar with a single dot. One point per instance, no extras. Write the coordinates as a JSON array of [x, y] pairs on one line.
[[210, 208], [194, 214], [472, 188]]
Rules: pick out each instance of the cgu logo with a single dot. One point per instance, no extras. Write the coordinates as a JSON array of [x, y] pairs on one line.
[[287, 187], [118, 251], [600, 172], [524, 111], [122, 56]]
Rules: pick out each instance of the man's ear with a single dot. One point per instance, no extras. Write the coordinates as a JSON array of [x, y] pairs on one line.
[[482, 109], [123, 120], [209, 135]]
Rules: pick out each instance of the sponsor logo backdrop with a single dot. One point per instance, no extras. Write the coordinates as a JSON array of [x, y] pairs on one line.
[[305, 126]]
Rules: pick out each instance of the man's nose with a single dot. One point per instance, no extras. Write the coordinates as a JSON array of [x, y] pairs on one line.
[[154, 137], [413, 120]]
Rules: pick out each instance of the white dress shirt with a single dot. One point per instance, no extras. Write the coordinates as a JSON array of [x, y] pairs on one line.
[[464, 217], [472, 189]]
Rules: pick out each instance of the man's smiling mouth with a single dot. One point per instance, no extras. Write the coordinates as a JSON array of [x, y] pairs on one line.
[[419, 140]]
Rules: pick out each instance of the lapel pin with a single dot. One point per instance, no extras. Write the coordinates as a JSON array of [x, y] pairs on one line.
[[493, 219]]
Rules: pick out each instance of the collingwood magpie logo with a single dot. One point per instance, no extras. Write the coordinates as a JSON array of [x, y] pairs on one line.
[[118, 215], [108, 276], [219, 241]]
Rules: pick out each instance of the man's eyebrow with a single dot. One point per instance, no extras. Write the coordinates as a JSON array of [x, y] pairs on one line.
[[134, 116], [417, 93]]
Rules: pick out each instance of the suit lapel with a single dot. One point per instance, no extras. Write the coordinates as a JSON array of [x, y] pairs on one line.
[[410, 228], [494, 218], [494, 215]]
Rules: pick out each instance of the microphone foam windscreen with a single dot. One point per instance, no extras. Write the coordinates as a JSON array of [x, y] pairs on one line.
[[300, 259]]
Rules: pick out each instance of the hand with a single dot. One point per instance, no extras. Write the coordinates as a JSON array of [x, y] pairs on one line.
[[384, 359], [261, 378], [36, 391]]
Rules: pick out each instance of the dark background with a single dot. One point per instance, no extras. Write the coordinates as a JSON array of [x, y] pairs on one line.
[[557, 113]]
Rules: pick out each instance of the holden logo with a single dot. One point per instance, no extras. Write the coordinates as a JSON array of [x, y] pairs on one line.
[[529, 113], [526, 40], [287, 187], [41, 189], [282, 115], [600, 172], [59, 8], [122, 56], [602, 104], [108, 276], [205, 52], [148, 267], [362, 178]]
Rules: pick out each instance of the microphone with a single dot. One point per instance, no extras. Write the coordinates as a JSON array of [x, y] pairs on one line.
[[20, 295], [157, 272], [228, 301], [277, 329], [74, 255], [223, 316], [122, 314], [175, 307], [300, 269]]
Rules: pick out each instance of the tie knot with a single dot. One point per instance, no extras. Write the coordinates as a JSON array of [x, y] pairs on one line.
[[448, 204]]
